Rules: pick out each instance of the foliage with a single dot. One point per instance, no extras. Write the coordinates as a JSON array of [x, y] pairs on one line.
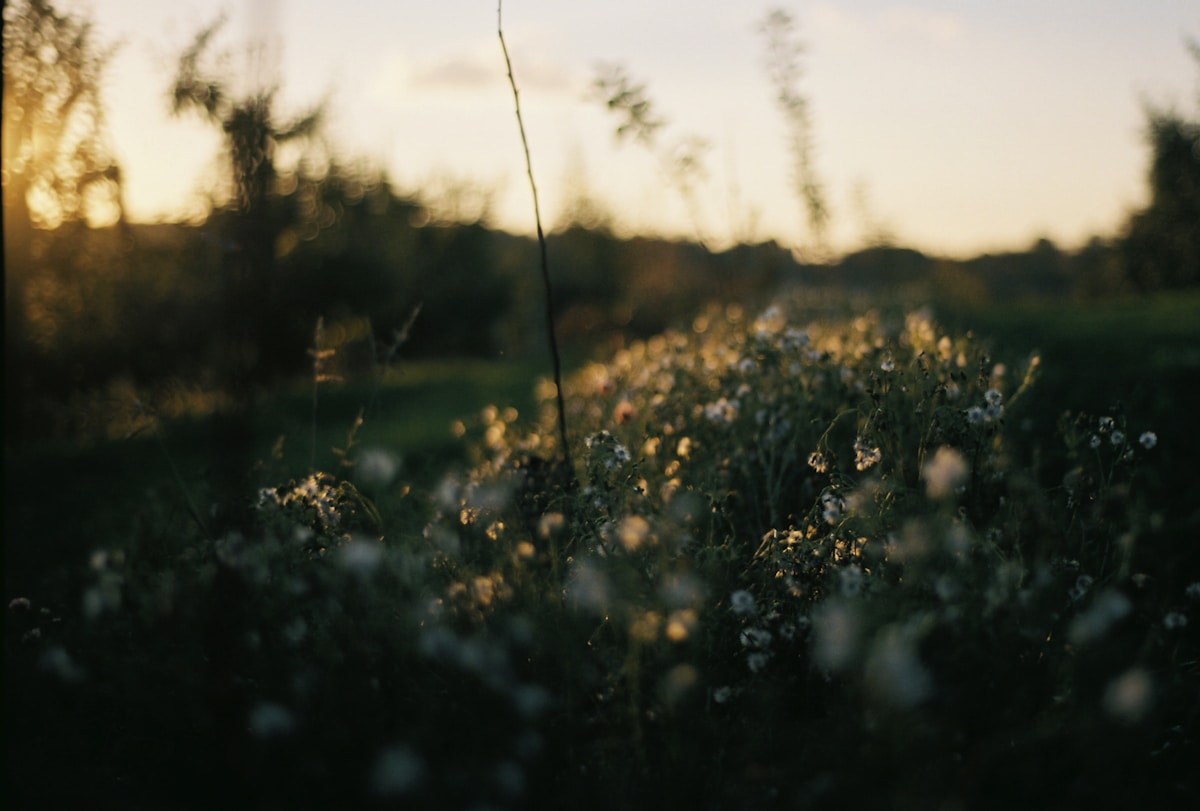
[[799, 553], [1161, 245], [252, 134], [680, 161], [58, 166], [784, 71]]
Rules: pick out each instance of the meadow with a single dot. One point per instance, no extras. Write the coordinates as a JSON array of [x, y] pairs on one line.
[[895, 558]]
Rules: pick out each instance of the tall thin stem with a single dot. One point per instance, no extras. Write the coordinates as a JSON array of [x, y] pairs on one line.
[[537, 214]]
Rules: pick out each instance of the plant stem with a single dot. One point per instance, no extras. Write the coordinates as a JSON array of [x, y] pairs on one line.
[[550, 331]]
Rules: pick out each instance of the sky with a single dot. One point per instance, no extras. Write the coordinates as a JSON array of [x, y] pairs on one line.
[[955, 126]]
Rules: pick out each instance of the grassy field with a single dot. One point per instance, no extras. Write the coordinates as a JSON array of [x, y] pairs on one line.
[[1141, 356], [792, 557], [63, 500]]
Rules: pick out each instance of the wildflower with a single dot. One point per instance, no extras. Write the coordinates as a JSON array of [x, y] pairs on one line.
[[1109, 608], [679, 681], [589, 589], [975, 415], [865, 456], [832, 507], [757, 661], [360, 556], [376, 468], [817, 461], [722, 694], [888, 366], [993, 397], [550, 524], [1082, 584], [1192, 592], [1094, 442], [1148, 439], [945, 473], [59, 663], [835, 636], [271, 720], [723, 410], [1117, 438], [1129, 696], [681, 624], [633, 532], [20, 604], [1106, 424], [794, 339], [397, 770], [894, 671], [742, 602], [850, 580], [625, 412], [1175, 621], [644, 628], [755, 638], [531, 700]]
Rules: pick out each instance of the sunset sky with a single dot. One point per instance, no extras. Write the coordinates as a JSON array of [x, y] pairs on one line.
[[957, 125]]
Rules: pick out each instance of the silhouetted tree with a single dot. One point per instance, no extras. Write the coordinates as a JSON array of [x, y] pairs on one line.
[[57, 165], [252, 132], [1161, 246]]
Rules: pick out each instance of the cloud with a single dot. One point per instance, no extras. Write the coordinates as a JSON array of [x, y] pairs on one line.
[[836, 24], [472, 70], [461, 72]]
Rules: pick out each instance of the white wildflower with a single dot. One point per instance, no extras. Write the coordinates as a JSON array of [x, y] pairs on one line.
[[360, 557], [377, 468], [1109, 608], [894, 671], [742, 602], [1129, 696], [832, 507], [1080, 589], [271, 720], [835, 636], [850, 580], [398, 770], [945, 473], [755, 638], [757, 661]]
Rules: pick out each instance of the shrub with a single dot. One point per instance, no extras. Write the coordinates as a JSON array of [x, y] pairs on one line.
[[795, 567]]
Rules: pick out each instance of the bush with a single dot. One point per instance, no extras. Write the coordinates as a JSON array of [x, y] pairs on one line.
[[795, 567]]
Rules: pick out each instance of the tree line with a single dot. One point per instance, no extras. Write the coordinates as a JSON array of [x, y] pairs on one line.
[[232, 302]]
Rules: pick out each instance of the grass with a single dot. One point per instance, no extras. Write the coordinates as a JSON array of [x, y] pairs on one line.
[[807, 564], [113, 485], [1139, 355]]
